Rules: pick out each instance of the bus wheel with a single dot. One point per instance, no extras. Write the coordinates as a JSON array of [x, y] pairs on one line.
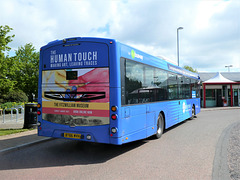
[[193, 113], [160, 126]]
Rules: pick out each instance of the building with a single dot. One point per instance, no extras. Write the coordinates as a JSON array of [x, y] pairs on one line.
[[220, 89]]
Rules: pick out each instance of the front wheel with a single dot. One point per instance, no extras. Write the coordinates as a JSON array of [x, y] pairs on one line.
[[160, 126]]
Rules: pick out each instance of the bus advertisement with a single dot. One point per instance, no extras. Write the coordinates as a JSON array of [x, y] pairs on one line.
[[100, 90]]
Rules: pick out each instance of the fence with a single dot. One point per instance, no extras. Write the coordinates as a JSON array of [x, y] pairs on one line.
[[13, 117]]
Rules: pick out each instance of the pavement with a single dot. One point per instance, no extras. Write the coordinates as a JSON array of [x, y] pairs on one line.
[[14, 142], [224, 165], [17, 141], [9, 121]]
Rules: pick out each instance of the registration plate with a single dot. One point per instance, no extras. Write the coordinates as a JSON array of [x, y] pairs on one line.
[[72, 135]]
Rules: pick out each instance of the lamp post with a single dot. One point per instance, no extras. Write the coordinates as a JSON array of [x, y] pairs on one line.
[[178, 44], [229, 67]]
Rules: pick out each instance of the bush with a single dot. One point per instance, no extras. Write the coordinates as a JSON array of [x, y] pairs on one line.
[[9, 105], [16, 96]]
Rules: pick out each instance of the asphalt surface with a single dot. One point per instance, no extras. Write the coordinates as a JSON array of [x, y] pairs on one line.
[[234, 152], [226, 163]]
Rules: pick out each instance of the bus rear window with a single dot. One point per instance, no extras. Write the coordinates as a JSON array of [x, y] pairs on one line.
[[71, 75]]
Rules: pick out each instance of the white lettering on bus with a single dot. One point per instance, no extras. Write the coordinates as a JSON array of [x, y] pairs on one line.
[[60, 57], [65, 58], [84, 56], [89, 56], [79, 56], [52, 59], [95, 55], [76, 56], [69, 57]]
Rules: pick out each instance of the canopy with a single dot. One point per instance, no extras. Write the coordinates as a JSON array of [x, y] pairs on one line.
[[218, 78]]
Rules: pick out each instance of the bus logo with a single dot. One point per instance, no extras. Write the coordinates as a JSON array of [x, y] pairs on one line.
[[135, 55]]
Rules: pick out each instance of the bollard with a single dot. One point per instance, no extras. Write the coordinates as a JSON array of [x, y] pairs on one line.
[[16, 114], [11, 114], [4, 116]]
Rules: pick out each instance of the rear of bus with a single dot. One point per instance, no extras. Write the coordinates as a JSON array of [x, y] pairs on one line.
[[74, 89]]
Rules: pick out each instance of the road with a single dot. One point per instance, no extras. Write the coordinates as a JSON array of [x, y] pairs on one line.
[[185, 151]]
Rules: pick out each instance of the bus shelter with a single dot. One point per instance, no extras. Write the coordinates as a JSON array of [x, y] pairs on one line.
[[220, 91]]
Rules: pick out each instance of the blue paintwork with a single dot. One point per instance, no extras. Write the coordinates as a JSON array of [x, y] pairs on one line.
[[133, 122]]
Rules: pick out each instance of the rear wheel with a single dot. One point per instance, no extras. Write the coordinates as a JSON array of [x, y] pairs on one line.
[[160, 126], [193, 112]]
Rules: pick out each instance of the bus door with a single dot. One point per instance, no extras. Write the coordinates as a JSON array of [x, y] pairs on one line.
[[173, 104], [150, 121], [134, 122], [173, 112]]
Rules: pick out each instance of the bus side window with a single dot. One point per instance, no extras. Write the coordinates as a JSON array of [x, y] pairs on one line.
[[172, 86], [160, 81]]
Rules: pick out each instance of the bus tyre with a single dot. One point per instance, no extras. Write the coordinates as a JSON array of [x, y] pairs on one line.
[[193, 113], [160, 126]]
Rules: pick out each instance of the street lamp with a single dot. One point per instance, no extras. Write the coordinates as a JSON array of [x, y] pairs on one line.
[[229, 67], [178, 44]]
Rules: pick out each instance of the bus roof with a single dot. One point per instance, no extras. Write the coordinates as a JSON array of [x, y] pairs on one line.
[[129, 52]]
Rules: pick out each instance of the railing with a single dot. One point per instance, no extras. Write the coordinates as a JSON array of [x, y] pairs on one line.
[[18, 115]]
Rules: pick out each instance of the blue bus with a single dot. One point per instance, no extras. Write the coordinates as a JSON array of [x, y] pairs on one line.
[[100, 90]]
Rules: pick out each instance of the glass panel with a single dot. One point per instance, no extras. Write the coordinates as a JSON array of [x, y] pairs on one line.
[[239, 97], [133, 82], [210, 98], [148, 77], [187, 88], [181, 93], [172, 86], [229, 97], [235, 97], [210, 94], [160, 81], [142, 83]]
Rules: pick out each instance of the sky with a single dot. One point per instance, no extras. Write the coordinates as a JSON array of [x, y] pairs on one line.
[[209, 40]]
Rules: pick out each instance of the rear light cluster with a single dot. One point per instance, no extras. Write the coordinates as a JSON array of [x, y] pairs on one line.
[[39, 106], [114, 109], [114, 130], [114, 117], [39, 113]]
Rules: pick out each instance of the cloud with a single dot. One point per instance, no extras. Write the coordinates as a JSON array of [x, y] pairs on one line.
[[29, 23], [216, 44], [209, 40]]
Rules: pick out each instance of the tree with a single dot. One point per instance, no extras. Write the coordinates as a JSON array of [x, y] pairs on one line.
[[4, 40], [190, 69], [27, 60], [18, 74], [6, 84]]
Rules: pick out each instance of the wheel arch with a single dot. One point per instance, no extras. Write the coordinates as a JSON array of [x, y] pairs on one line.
[[164, 118], [193, 106]]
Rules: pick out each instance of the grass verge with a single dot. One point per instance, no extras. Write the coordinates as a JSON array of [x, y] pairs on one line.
[[4, 132]]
